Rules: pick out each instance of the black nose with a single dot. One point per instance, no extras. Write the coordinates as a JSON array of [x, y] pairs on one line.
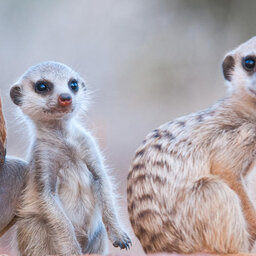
[[65, 97]]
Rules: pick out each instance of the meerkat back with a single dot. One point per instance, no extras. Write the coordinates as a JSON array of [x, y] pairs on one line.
[[187, 187]]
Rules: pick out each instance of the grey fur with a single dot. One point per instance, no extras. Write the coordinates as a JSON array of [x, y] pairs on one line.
[[12, 176], [68, 194]]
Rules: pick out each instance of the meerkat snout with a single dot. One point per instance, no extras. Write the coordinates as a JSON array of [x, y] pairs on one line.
[[65, 99]]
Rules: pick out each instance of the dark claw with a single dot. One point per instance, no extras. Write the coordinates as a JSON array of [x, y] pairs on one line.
[[122, 245], [115, 244], [129, 243], [125, 243]]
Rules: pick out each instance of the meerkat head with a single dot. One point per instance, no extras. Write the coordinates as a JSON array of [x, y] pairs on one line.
[[239, 68], [49, 91]]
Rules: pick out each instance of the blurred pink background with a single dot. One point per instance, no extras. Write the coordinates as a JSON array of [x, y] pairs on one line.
[[146, 62]]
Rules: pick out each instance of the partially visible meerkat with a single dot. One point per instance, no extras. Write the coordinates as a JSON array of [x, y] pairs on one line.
[[12, 174], [187, 186], [68, 205]]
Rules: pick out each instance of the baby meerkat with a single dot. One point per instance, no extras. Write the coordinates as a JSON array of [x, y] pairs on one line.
[[187, 186], [67, 206]]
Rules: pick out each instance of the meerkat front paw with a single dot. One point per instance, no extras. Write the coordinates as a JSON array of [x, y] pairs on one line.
[[122, 240]]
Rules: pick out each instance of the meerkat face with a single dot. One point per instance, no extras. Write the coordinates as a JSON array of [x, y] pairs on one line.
[[239, 68], [49, 90]]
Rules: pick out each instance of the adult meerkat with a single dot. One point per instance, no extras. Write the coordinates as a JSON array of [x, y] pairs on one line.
[[12, 175], [68, 194], [187, 189]]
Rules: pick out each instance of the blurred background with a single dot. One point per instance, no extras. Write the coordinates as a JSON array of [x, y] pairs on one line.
[[146, 62]]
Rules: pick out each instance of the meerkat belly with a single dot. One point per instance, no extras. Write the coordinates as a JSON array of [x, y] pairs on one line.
[[75, 192]]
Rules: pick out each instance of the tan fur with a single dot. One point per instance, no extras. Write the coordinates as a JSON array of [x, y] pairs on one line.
[[3, 134], [187, 186]]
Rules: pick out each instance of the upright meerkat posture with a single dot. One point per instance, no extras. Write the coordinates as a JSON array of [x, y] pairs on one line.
[[187, 186], [68, 194]]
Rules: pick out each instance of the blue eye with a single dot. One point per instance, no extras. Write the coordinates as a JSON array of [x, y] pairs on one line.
[[41, 87], [249, 63], [73, 84]]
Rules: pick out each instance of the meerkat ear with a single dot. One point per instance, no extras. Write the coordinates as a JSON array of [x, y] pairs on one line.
[[16, 95], [228, 66], [83, 84]]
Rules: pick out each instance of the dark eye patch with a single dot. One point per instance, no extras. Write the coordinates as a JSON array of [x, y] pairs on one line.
[[73, 85], [43, 87], [249, 63]]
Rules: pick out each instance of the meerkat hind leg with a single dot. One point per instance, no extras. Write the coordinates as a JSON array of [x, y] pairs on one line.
[[33, 237], [208, 220], [98, 242], [216, 218]]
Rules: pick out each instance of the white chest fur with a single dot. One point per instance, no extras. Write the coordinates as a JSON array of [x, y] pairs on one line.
[[75, 193], [74, 186]]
